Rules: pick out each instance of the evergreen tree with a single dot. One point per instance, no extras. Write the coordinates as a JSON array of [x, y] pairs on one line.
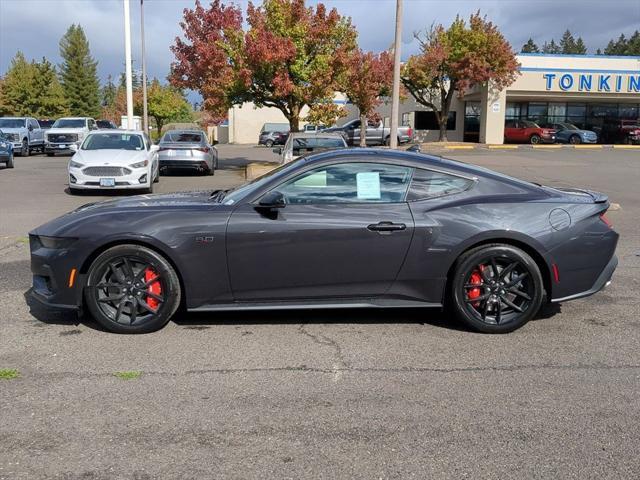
[[551, 47], [50, 100], [580, 48], [78, 73], [624, 46], [530, 47], [109, 92], [567, 43], [18, 89]]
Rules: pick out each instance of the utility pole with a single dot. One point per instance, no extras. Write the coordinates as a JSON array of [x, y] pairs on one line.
[[127, 67], [145, 114], [395, 93]]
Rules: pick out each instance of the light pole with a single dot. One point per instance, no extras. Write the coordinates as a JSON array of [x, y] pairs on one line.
[[127, 67], [145, 115], [395, 93]]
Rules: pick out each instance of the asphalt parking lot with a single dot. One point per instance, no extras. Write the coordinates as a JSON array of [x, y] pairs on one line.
[[327, 394]]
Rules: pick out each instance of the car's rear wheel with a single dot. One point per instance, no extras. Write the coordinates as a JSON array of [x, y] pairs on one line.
[[534, 139], [268, 143], [132, 289], [496, 288], [575, 139]]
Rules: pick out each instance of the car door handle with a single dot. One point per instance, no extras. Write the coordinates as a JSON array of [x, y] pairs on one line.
[[386, 227]]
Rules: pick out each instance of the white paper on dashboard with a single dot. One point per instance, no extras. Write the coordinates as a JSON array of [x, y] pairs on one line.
[[368, 185]]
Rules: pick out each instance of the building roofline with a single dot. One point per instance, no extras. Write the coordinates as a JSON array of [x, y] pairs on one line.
[[574, 55]]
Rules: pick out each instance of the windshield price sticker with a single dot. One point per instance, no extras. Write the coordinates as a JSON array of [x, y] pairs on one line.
[[368, 185]]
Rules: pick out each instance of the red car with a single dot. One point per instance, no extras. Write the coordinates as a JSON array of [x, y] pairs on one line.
[[525, 131]]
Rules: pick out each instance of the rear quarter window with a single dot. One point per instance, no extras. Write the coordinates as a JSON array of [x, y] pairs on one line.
[[431, 184]]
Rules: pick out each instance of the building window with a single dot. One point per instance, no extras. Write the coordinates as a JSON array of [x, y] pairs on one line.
[[426, 120]]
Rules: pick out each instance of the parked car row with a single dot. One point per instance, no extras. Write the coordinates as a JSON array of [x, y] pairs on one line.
[[526, 131], [27, 134]]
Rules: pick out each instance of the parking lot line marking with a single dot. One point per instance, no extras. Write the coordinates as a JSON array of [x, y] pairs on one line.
[[626, 146], [587, 146], [459, 147], [547, 146], [504, 147]]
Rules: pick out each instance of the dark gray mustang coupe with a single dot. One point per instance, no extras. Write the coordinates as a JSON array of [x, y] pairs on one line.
[[346, 228]]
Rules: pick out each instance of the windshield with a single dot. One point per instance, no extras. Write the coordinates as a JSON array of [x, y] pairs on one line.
[[69, 123], [186, 137], [12, 122], [568, 126], [529, 124], [113, 141], [45, 123], [248, 188]]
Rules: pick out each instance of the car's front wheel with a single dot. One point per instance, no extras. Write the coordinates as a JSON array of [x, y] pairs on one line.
[[534, 139], [496, 288], [575, 140], [132, 289], [268, 143], [25, 148], [10, 161]]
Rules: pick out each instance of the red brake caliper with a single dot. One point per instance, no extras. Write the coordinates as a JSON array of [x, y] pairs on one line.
[[154, 287], [475, 279]]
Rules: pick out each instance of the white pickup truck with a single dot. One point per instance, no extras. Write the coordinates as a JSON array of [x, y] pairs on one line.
[[66, 132], [377, 134], [24, 133]]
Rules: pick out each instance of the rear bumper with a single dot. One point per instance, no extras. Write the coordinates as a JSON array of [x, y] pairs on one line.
[[185, 164], [601, 282]]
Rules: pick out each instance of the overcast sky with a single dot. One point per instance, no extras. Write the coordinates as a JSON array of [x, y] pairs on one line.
[[35, 26]]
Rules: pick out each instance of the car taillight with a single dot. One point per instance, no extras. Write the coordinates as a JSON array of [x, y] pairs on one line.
[[203, 149], [410, 132], [607, 222]]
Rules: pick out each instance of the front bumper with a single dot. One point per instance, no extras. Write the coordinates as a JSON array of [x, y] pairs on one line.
[[601, 282], [547, 139], [137, 179], [59, 147]]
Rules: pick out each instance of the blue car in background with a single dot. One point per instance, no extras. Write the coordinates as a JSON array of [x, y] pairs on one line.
[[569, 133], [6, 150]]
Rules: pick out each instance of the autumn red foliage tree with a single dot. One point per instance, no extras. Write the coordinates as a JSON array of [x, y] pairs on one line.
[[369, 77], [456, 59], [291, 55]]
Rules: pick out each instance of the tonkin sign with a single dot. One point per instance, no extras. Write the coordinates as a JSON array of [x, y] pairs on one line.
[[593, 82]]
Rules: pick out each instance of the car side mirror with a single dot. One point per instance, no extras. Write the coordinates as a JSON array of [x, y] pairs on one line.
[[30, 127], [271, 200], [154, 148], [73, 147], [277, 151]]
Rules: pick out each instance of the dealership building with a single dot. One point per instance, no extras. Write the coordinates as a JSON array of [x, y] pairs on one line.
[[593, 92]]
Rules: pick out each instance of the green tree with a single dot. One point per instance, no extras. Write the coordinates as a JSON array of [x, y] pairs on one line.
[[167, 104], [78, 73], [530, 47], [50, 99], [108, 93], [551, 47], [569, 45], [624, 46], [18, 89]]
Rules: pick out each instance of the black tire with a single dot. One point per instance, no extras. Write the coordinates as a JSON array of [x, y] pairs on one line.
[[119, 292], [575, 140], [149, 189], [507, 295], [534, 139], [24, 151], [10, 161], [268, 143], [50, 154]]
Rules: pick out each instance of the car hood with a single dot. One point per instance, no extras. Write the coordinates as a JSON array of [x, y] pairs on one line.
[[120, 158], [13, 130], [130, 207], [66, 130]]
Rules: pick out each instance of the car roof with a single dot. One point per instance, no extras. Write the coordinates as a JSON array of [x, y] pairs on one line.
[[316, 135], [184, 131], [116, 131]]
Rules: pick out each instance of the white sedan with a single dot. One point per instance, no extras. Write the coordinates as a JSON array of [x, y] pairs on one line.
[[114, 159]]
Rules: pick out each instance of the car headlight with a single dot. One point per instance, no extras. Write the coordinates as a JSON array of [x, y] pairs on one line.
[[141, 164], [73, 164], [56, 243]]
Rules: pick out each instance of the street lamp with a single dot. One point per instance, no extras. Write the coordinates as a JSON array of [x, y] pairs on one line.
[[395, 93], [127, 67], [145, 116]]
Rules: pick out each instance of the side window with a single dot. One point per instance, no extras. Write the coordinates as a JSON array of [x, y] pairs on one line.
[[348, 183], [430, 184]]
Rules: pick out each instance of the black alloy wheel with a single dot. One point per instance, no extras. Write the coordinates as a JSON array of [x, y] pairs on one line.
[[497, 288], [575, 140], [534, 139], [132, 289]]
